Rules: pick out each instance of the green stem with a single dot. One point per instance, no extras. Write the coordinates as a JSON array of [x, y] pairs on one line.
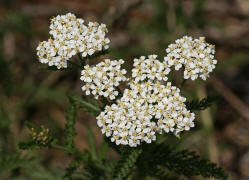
[[82, 61], [90, 106], [74, 64], [182, 83], [56, 146], [104, 101], [120, 93], [75, 152]]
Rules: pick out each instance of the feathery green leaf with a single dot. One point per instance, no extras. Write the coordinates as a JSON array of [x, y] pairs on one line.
[[90, 107], [182, 163], [126, 163], [103, 150], [198, 105], [91, 142], [69, 130], [9, 162]]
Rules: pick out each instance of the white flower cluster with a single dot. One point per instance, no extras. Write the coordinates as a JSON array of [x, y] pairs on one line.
[[195, 55], [102, 79], [145, 109], [71, 36], [150, 69]]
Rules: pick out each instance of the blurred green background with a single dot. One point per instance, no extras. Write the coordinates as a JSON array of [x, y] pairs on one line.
[[136, 27]]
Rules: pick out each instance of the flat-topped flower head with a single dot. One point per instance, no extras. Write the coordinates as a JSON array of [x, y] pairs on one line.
[[195, 55], [149, 69], [128, 122], [102, 79], [71, 36], [167, 107], [49, 53], [144, 110], [95, 39], [65, 26]]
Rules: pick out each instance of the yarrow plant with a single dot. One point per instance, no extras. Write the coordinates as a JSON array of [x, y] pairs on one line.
[[132, 112]]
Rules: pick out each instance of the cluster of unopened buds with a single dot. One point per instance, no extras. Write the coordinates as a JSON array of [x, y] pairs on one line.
[[40, 137], [148, 105]]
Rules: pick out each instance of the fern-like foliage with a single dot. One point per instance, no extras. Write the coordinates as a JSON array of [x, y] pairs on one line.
[[12, 161], [198, 105], [69, 130], [29, 145], [94, 170], [162, 173], [79, 159], [74, 165], [91, 143], [126, 163], [39, 138], [184, 162], [88, 106], [40, 172]]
